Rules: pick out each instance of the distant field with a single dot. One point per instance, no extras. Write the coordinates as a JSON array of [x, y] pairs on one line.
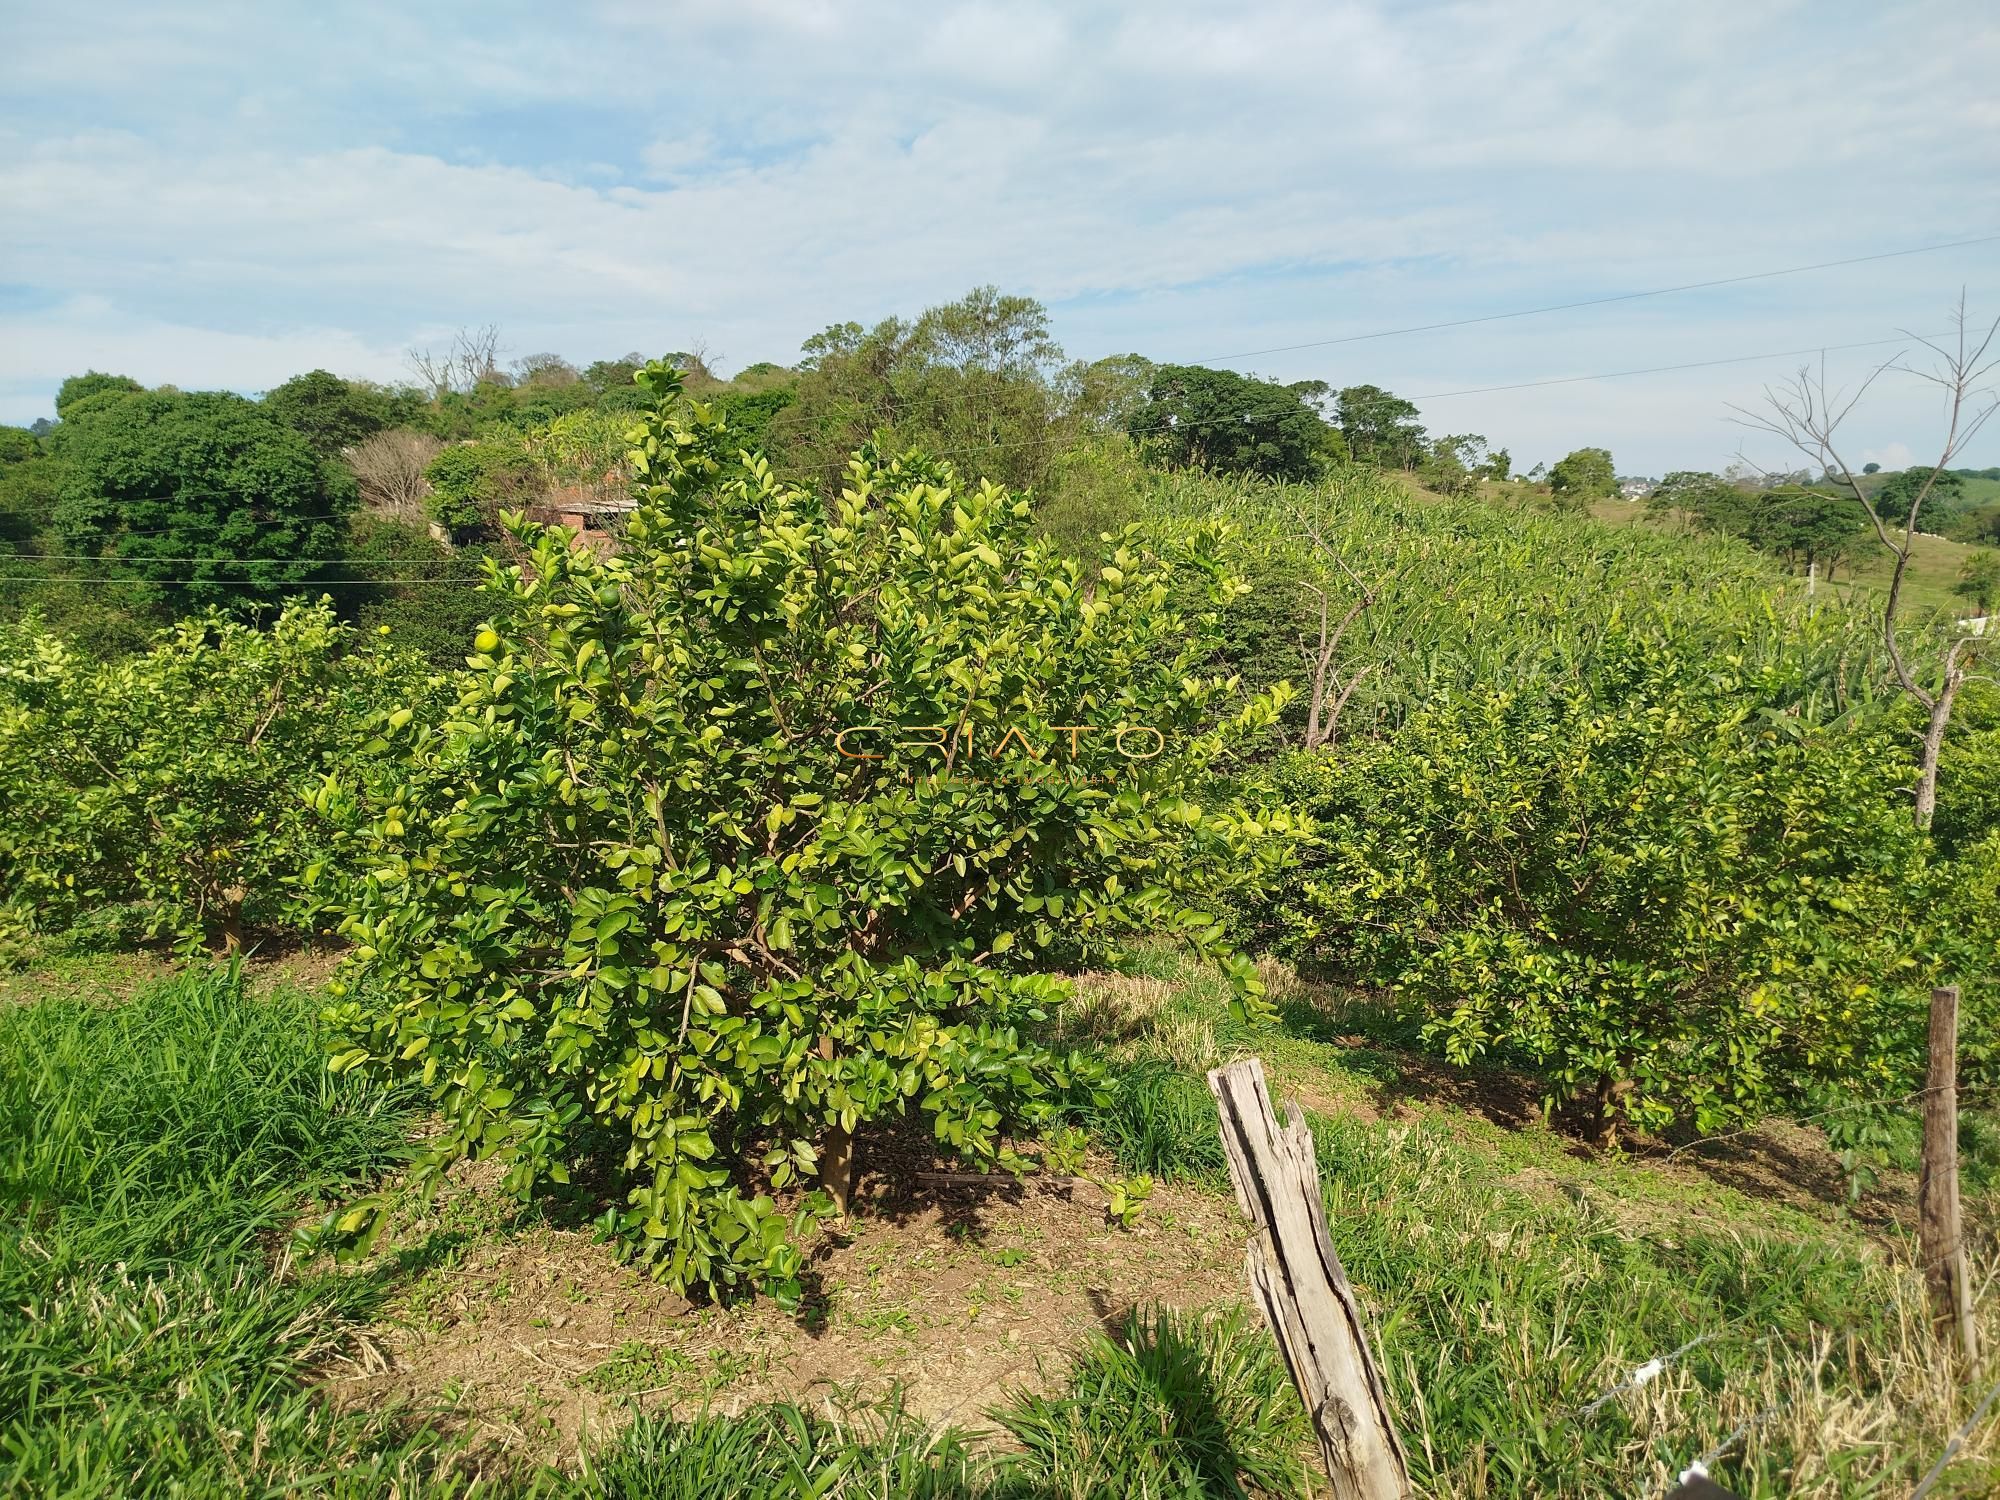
[[1934, 565]]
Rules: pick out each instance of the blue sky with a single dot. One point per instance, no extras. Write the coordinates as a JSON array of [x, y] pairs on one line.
[[221, 195]]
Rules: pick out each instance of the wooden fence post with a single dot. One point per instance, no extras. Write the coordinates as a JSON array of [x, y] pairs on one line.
[[1297, 1279], [1939, 1242]]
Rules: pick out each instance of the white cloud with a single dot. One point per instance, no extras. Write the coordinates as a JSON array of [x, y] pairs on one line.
[[1175, 179], [89, 333]]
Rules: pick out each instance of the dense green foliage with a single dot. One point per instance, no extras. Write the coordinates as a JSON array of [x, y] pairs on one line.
[[1583, 476], [1379, 427], [1943, 493], [1230, 424], [1620, 806], [636, 879], [471, 483], [330, 413], [1805, 526], [424, 596], [1662, 885], [205, 498], [980, 381], [78, 389], [171, 778], [1979, 580]]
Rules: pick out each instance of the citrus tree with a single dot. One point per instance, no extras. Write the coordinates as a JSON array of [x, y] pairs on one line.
[[171, 777], [759, 831], [1662, 884]]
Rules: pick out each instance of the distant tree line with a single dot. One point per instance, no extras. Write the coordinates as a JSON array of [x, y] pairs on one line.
[[134, 506]]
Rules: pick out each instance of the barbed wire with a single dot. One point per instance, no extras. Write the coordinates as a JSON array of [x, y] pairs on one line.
[[1952, 1445]]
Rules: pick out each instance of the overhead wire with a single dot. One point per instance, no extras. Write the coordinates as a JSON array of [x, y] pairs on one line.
[[1663, 291], [1047, 439]]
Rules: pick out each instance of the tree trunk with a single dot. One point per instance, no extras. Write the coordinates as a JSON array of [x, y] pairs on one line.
[[836, 1166], [232, 919], [836, 1152], [1940, 718], [1605, 1102], [1939, 1242]]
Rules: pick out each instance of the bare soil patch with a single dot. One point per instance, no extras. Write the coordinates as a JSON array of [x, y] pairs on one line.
[[537, 1343]]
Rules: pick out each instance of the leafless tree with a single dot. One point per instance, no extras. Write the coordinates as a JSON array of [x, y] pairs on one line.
[[1807, 412], [389, 467], [1329, 693], [473, 356], [545, 369]]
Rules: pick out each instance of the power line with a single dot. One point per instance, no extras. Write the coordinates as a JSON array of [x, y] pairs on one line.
[[1736, 359], [1535, 312], [1699, 364]]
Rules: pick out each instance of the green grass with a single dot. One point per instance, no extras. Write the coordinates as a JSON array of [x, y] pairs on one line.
[[1934, 567], [1514, 1283], [156, 1339], [1928, 582], [151, 1154], [1170, 1408]]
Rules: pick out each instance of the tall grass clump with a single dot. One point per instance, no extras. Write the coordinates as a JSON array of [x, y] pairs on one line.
[[152, 1157], [783, 1450], [1513, 1310], [1174, 1406]]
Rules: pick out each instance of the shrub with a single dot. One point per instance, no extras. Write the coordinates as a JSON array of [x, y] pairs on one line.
[[634, 881], [1663, 885], [427, 600], [1227, 423], [330, 413], [1583, 476], [471, 482], [173, 776]]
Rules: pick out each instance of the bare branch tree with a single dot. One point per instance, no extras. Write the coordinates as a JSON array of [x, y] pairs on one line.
[[389, 467], [474, 356], [432, 370], [1807, 413], [1329, 693], [477, 351]]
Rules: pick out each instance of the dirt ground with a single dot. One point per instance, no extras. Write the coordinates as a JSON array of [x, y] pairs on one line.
[[538, 1341]]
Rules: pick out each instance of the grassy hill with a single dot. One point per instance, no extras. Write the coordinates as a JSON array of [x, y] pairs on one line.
[[1927, 586]]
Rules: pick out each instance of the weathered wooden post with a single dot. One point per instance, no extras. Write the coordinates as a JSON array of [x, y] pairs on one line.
[[1298, 1281], [1939, 1243]]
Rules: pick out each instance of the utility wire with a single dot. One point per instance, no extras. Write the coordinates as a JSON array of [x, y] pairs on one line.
[[1699, 364], [1663, 291]]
